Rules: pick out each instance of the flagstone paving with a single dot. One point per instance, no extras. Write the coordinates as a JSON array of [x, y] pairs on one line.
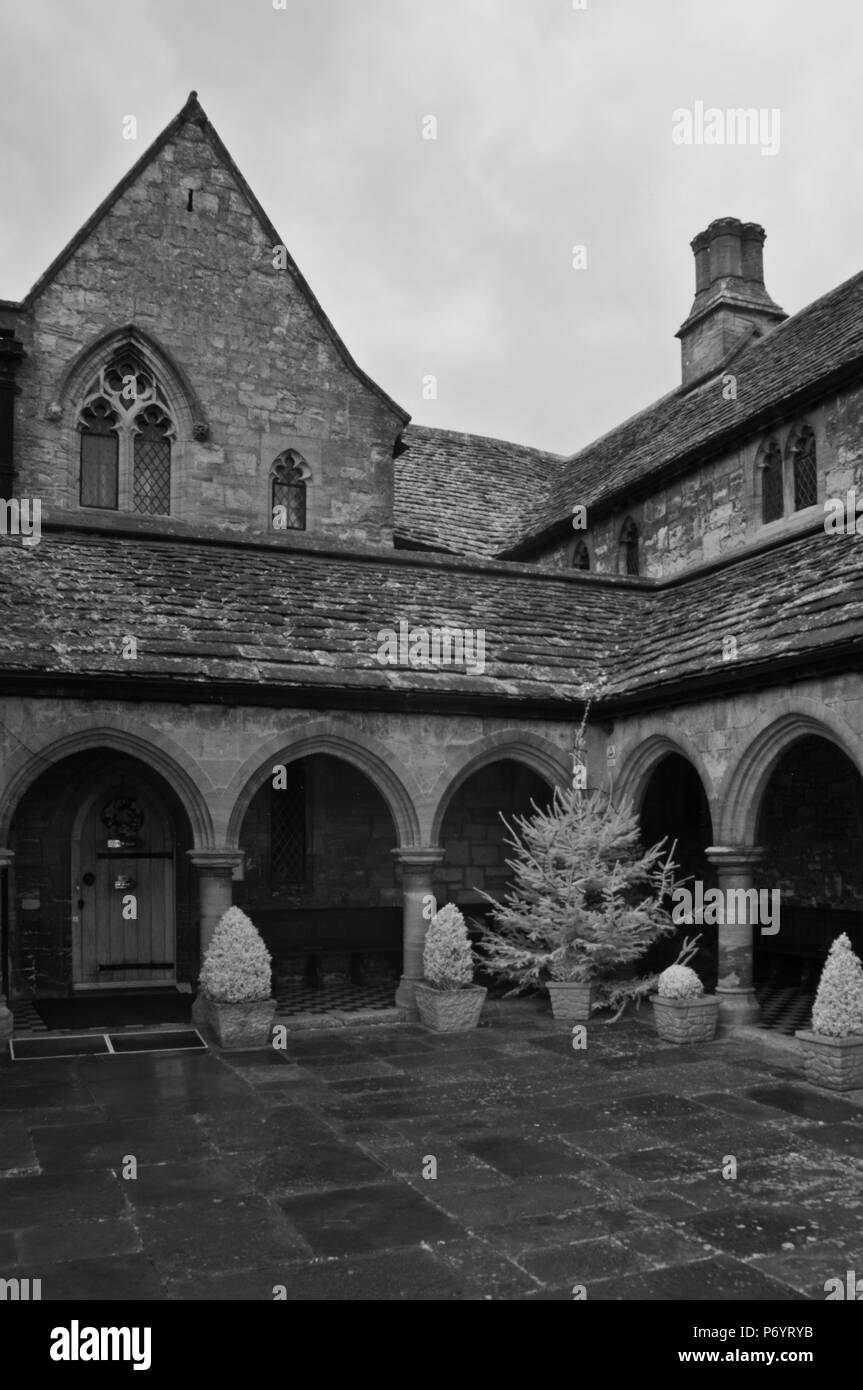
[[306, 1170]]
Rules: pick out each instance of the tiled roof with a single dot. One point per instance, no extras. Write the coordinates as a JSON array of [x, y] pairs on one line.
[[467, 494], [817, 341], [791, 601], [476, 496], [204, 612], [215, 612]]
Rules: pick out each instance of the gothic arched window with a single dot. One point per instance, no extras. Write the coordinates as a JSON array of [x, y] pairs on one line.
[[630, 560], [801, 452], [581, 556], [771, 482], [288, 500], [126, 432]]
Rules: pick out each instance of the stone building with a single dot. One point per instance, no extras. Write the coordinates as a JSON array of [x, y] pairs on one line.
[[266, 642]]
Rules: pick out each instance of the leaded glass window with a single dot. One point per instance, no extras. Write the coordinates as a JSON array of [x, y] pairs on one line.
[[152, 463], [288, 830], [289, 476], [126, 434], [805, 471], [99, 455], [771, 483]]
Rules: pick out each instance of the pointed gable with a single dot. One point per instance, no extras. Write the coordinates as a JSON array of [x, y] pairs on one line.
[[182, 252]]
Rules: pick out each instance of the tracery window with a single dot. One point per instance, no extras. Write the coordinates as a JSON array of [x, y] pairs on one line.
[[288, 479], [126, 433]]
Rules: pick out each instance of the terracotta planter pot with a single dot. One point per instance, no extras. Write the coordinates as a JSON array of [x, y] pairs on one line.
[[570, 1003], [450, 1010], [686, 1020], [236, 1026], [836, 1063]]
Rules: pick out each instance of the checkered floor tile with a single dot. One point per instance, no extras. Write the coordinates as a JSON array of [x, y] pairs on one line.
[[784, 1009], [26, 1018], [339, 997]]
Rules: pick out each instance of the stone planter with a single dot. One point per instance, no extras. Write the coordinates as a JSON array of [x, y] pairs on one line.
[[570, 1003], [449, 1010], [236, 1026], [836, 1063], [686, 1020]]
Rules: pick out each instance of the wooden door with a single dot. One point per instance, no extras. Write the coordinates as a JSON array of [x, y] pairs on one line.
[[123, 888]]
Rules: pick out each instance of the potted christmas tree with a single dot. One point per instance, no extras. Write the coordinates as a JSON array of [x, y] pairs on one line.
[[833, 1048], [447, 999], [587, 901], [235, 995]]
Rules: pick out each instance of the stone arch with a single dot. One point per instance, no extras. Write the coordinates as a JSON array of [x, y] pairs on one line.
[[181, 395], [155, 750], [640, 765], [395, 784], [742, 792], [539, 754]]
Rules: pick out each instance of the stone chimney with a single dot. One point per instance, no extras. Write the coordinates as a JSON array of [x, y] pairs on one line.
[[730, 298]]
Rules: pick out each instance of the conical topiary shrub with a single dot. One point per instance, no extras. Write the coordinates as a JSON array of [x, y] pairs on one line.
[[447, 999], [447, 954], [838, 1008], [833, 1048], [234, 997]]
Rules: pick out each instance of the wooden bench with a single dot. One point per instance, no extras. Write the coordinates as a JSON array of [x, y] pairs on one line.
[[805, 935]]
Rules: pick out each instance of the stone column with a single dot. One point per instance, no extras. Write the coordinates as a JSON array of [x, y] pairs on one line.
[[215, 874], [735, 867], [7, 1025], [418, 866]]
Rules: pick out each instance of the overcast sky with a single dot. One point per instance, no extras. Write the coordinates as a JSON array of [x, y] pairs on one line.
[[454, 256]]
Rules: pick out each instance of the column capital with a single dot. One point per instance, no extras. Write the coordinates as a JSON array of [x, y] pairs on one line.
[[7, 857], [419, 858], [735, 856], [217, 860]]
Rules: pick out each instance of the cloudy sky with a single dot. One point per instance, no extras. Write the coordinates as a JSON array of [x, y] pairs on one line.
[[454, 256]]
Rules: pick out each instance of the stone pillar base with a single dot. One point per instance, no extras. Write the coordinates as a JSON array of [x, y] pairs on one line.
[[737, 1008], [406, 998]]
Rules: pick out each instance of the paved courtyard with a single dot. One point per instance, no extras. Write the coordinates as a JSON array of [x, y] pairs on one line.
[[555, 1168]]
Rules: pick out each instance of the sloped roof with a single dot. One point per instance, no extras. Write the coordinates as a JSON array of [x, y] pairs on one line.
[[805, 349], [209, 612], [465, 493], [782, 606]]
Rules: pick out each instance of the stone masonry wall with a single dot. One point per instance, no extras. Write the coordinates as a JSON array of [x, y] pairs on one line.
[[716, 509], [267, 373]]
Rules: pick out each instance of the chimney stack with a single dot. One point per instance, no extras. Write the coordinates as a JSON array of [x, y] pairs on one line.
[[730, 297]]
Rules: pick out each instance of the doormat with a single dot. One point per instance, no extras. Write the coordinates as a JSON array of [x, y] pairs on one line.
[[27, 1049], [105, 1044], [110, 1011]]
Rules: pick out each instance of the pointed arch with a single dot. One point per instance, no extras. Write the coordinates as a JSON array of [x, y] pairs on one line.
[[99, 353]]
